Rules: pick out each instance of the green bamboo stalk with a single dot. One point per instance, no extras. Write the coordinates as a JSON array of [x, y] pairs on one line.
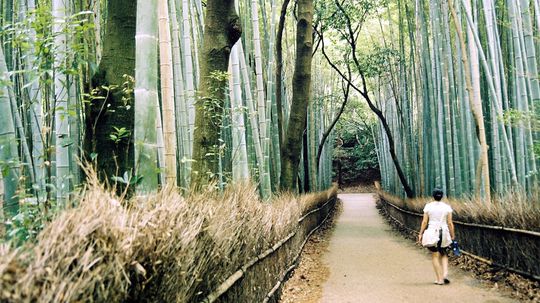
[[189, 74], [9, 158], [239, 150], [472, 74], [146, 96], [493, 54], [167, 94], [61, 115], [264, 177], [480, 53], [271, 105], [262, 110], [531, 75], [35, 100], [452, 143], [182, 124], [196, 33]]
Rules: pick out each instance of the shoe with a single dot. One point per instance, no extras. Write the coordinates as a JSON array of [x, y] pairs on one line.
[[446, 281], [438, 283]]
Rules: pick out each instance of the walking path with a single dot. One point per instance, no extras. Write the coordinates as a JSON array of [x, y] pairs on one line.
[[370, 263]]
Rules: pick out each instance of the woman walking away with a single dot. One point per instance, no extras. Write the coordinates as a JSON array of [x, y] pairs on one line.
[[438, 220]]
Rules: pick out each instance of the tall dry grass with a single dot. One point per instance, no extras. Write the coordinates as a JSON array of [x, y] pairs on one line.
[[514, 209], [162, 248]]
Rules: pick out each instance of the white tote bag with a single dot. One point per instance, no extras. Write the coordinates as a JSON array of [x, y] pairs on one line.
[[432, 236]]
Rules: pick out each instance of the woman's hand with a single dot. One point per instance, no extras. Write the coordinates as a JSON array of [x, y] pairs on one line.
[[420, 238]]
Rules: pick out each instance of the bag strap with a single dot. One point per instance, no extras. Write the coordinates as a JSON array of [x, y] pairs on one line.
[[442, 217]]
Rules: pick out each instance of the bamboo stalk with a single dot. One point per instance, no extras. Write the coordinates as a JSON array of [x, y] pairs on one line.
[[167, 93], [8, 146], [146, 96], [239, 149], [61, 120]]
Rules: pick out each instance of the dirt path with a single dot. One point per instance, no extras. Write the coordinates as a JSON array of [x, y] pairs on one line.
[[370, 263]]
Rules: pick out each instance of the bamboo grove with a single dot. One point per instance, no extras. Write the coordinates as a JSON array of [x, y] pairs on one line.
[[74, 72], [461, 96]]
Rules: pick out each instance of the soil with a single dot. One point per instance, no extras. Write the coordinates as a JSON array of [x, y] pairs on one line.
[[305, 284]]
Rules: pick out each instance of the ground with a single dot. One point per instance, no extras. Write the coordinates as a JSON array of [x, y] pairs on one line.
[[305, 285], [362, 259]]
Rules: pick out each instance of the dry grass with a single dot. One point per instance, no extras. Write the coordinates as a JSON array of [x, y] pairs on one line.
[[514, 209], [163, 248]]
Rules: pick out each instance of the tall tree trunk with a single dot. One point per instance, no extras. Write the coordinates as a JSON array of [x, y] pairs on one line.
[[301, 94], [118, 59], [306, 187], [279, 68], [222, 30]]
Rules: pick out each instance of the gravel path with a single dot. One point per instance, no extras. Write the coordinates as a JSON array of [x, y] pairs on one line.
[[370, 263]]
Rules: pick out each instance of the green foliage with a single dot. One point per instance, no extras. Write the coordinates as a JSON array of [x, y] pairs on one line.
[[97, 101], [380, 61], [26, 225], [35, 32], [213, 104], [128, 91], [333, 17], [514, 116], [355, 145], [128, 179], [119, 134]]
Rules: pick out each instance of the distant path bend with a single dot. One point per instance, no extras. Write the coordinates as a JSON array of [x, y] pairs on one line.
[[370, 263]]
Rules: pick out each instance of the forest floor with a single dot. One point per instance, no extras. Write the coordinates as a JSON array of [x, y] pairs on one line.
[[362, 259], [305, 285]]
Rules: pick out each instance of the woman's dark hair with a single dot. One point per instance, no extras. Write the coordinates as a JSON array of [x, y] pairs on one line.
[[438, 194]]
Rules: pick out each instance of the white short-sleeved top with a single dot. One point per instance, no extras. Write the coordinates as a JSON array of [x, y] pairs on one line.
[[437, 210]]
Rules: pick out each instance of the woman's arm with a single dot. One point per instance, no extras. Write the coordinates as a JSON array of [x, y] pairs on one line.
[[451, 226], [425, 220]]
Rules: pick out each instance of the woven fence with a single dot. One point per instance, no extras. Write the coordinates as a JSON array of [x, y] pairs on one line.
[[513, 249], [271, 268]]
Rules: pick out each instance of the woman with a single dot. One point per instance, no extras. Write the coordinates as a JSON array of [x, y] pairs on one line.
[[438, 215]]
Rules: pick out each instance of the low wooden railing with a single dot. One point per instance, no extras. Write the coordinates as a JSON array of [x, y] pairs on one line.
[[287, 249], [515, 250]]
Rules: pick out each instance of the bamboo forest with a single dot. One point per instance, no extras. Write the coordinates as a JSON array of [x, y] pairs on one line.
[[220, 150]]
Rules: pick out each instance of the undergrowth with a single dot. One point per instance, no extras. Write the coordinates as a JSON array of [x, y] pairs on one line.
[[159, 248], [513, 209]]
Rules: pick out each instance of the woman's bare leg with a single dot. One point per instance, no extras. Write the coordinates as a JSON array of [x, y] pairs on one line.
[[444, 262], [437, 266]]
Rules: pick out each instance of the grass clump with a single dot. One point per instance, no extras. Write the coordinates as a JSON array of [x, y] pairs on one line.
[[160, 248], [514, 209]]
